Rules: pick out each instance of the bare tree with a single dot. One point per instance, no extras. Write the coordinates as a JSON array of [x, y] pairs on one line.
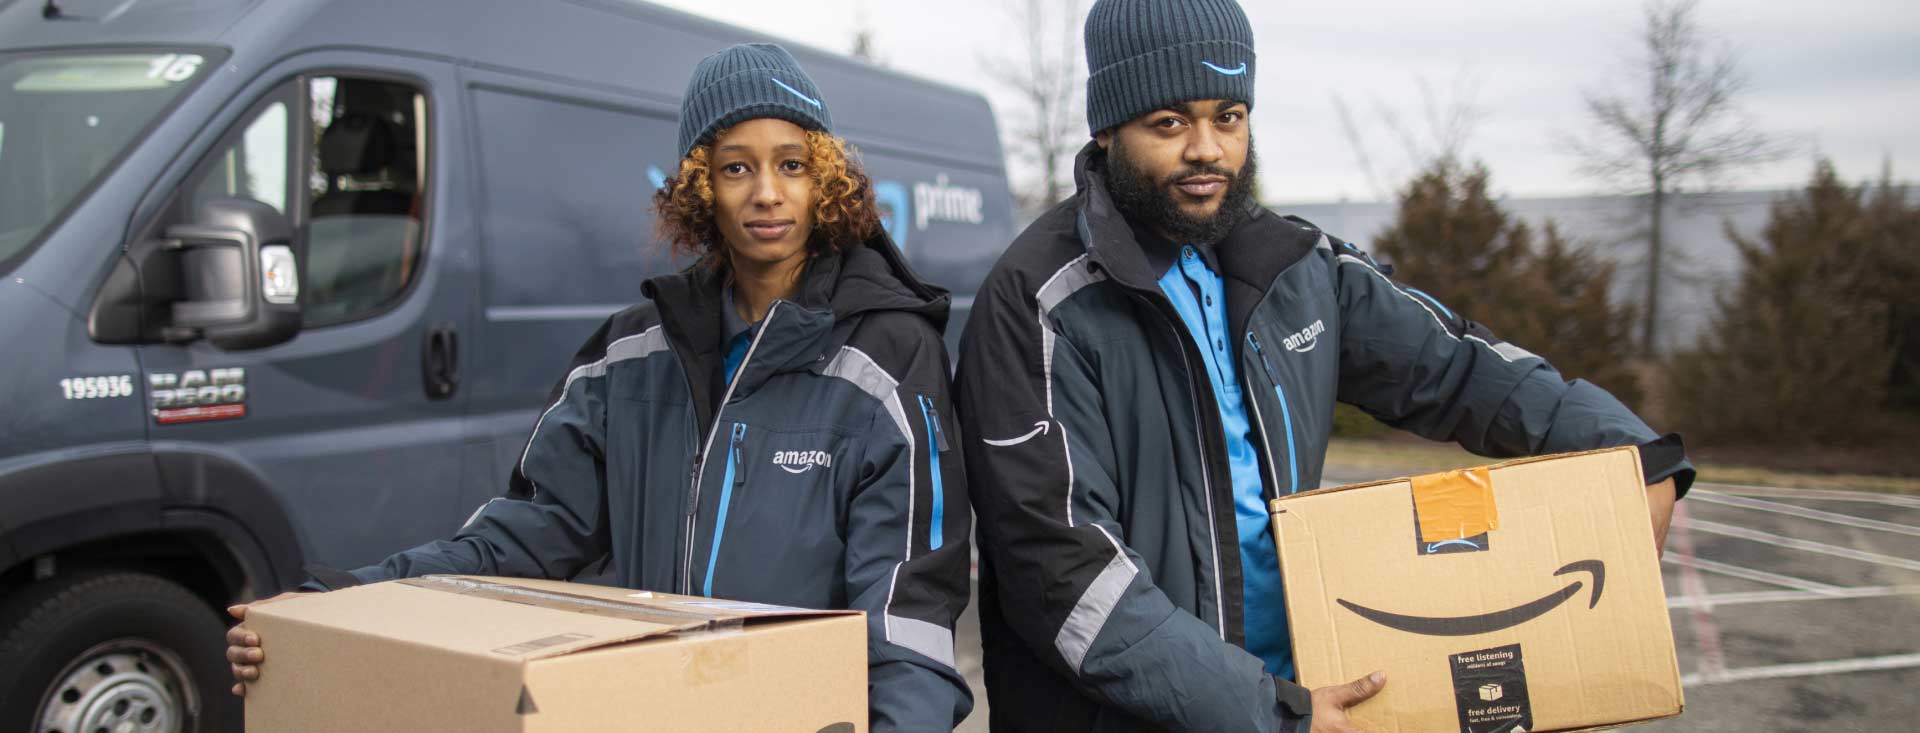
[[1042, 73], [1446, 127], [865, 46], [1677, 128]]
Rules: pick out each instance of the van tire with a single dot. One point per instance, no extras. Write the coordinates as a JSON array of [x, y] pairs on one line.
[[175, 640]]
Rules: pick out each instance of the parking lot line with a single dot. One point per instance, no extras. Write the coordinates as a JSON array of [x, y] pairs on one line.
[[1714, 497], [1781, 596], [1804, 669], [1758, 576], [1706, 632], [1797, 544], [1824, 494]]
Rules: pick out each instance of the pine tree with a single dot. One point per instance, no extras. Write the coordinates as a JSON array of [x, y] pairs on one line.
[[1454, 242], [1800, 348]]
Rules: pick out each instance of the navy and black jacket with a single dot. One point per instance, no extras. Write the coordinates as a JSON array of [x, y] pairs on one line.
[[826, 474], [1110, 567]]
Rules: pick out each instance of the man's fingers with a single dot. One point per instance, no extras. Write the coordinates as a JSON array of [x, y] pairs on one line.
[[1357, 691], [238, 612], [239, 690], [237, 636], [246, 654]]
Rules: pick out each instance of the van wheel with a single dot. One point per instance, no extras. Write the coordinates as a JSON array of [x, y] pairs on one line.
[[113, 652]]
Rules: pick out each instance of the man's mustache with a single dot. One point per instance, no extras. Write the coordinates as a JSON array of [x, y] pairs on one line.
[[1207, 169]]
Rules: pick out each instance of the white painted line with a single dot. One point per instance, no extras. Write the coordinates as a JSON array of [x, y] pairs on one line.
[[1799, 544], [1713, 497], [1758, 576], [1782, 596], [1806, 669], [1869, 497]]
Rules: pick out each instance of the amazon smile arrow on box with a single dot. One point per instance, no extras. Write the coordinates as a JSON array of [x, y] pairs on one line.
[[1520, 597]]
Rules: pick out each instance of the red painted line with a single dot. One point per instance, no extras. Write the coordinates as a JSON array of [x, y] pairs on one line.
[[1706, 631], [199, 414]]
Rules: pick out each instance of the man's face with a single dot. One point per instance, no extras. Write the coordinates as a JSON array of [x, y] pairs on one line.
[[1186, 171]]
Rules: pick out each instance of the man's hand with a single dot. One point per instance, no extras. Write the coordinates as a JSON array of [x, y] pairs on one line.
[[243, 647], [1660, 499], [1330, 704]]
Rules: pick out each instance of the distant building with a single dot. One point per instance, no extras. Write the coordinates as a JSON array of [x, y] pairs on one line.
[[1703, 258]]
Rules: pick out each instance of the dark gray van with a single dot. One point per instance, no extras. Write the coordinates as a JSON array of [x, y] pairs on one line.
[[287, 281]]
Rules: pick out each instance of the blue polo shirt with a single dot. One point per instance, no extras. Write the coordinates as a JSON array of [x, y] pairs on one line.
[[1198, 295]]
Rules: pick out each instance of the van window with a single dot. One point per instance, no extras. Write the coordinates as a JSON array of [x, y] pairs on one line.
[[366, 192], [66, 116], [254, 166], [360, 183]]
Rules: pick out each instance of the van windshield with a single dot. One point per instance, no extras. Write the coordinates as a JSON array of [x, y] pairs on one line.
[[64, 117]]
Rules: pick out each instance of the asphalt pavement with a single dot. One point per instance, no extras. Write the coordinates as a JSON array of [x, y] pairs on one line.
[[1792, 609]]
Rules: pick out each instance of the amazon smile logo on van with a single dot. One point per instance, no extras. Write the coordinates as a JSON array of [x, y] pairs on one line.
[[802, 461], [1489, 622], [1305, 339]]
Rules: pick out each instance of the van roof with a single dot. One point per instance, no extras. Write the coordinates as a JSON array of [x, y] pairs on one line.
[[597, 43]]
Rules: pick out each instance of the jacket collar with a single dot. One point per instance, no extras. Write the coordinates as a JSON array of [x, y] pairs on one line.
[[1250, 258], [798, 333]]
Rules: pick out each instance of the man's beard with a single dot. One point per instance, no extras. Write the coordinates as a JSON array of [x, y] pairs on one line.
[[1151, 202]]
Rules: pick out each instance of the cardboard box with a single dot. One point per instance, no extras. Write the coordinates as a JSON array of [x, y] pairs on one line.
[[1525, 596], [453, 653]]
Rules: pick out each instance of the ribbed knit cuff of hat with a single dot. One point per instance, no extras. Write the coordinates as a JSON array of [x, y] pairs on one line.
[[1169, 76]]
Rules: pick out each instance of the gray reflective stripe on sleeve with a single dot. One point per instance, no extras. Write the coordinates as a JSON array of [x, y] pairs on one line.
[[1504, 350], [930, 640], [476, 513], [1323, 244], [1069, 279], [638, 346], [855, 366], [1090, 613]]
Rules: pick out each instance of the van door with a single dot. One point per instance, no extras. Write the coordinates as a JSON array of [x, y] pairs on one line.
[[356, 423]]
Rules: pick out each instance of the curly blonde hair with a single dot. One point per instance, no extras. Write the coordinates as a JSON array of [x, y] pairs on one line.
[[844, 212]]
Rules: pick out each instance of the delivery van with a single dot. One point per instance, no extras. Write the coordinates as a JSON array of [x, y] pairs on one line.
[[286, 282]]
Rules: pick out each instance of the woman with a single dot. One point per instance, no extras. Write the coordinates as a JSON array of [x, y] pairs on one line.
[[772, 426]]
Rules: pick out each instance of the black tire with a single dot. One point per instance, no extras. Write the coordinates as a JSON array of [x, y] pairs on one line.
[[48, 627]]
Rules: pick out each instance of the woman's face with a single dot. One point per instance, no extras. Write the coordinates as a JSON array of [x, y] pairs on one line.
[[762, 191]]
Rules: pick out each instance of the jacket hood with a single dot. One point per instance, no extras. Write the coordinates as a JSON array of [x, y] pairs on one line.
[[835, 290]]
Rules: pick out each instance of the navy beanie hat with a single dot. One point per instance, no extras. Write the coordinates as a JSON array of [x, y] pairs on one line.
[[745, 82], [1144, 55]]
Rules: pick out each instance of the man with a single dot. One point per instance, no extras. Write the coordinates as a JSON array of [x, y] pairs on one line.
[[1155, 358]]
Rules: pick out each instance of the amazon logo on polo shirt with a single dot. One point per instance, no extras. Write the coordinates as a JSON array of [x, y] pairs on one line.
[[1489, 622]]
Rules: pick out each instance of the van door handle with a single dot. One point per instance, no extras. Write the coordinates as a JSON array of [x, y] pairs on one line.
[[440, 361]]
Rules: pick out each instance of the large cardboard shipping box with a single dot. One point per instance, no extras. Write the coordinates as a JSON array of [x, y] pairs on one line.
[[470, 654], [1521, 597]]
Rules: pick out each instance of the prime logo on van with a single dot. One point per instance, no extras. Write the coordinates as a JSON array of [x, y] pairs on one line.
[[198, 395]]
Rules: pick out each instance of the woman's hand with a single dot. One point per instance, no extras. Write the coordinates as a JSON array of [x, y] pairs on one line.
[[243, 646]]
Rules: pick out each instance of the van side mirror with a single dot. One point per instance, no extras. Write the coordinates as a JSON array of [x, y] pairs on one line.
[[239, 278]]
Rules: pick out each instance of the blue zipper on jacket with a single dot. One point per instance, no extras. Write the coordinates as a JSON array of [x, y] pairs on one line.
[[939, 443], [733, 477], [1286, 415]]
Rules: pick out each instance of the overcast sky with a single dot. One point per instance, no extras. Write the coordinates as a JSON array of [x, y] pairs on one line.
[[1839, 78]]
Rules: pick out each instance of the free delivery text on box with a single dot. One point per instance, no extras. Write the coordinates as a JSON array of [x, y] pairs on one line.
[[457, 653], [1521, 597]]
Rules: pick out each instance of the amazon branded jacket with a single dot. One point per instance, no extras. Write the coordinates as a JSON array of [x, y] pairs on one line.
[[1110, 569], [825, 475]]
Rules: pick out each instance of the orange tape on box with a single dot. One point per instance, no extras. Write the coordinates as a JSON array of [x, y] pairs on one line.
[[1455, 505]]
